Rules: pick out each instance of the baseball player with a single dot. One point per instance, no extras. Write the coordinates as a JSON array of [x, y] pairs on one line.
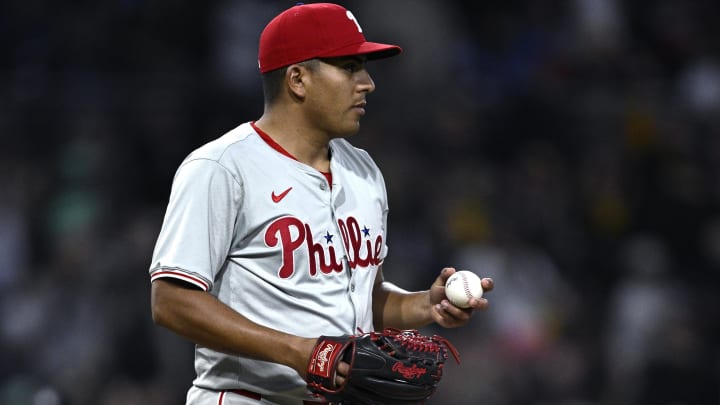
[[275, 233]]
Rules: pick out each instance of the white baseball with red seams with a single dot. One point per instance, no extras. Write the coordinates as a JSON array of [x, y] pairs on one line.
[[462, 286]]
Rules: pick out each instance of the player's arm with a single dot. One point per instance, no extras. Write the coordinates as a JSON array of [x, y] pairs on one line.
[[203, 319], [398, 308]]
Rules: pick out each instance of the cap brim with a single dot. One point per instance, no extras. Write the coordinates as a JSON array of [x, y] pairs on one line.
[[385, 51], [373, 51]]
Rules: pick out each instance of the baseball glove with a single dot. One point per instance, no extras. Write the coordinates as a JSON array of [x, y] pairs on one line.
[[389, 367]]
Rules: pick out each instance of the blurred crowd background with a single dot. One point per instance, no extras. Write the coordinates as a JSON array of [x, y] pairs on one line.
[[568, 149]]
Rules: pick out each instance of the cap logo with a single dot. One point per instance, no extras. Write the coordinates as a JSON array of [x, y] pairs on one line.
[[353, 19]]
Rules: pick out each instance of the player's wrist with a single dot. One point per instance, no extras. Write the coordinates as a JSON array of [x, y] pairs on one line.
[[299, 354], [418, 310], [427, 307]]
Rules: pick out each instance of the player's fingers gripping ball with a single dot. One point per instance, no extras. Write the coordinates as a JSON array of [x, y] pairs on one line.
[[461, 287], [389, 367]]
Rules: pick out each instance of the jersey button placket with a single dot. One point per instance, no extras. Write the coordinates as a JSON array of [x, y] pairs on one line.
[[333, 192]]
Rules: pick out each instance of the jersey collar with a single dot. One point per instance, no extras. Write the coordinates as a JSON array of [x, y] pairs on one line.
[[265, 137]]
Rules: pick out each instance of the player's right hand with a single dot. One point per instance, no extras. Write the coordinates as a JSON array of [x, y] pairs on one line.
[[444, 312]]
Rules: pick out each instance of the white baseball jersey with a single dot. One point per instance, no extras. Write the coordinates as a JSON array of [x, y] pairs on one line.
[[272, 239]]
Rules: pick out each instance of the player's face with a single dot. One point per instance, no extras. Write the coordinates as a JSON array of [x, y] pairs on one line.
[[336, 99]]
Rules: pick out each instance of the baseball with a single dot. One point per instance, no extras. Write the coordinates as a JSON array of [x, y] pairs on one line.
[[462, 286]]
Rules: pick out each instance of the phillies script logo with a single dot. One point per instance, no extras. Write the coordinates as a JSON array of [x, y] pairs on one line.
[[292, 234], [409, 372]]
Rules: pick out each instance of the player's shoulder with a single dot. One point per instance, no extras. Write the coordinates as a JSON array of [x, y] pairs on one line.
[[343, 147], [349, 155], [222, 154], [216, 149]]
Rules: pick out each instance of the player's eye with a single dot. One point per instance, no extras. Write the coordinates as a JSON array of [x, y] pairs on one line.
[[352, 67]]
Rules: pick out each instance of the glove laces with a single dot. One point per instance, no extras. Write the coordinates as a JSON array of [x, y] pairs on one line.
[[413, 340]]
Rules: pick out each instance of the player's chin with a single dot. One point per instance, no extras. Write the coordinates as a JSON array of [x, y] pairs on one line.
[[349, 130]]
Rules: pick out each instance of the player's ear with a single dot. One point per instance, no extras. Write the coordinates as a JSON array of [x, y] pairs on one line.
[[296, 78]]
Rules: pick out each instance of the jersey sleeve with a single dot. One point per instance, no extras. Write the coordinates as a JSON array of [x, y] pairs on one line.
[[199, 222]]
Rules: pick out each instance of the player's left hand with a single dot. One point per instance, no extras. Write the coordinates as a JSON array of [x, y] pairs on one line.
[[444, 312]]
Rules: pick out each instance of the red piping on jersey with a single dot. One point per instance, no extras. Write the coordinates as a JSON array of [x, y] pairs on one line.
[[258, 397], [176, 274], [249, 394], [265, 137]]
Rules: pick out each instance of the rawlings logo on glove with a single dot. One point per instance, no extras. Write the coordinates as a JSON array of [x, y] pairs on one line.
[[322, 355], [409, 372], [389, 367]]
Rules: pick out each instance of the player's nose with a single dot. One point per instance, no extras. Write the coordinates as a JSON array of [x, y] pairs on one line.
[[366, 82]]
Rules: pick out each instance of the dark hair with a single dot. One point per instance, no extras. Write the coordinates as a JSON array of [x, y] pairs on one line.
[[272, 81]]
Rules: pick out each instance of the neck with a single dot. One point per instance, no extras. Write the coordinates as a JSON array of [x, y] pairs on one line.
[[308, 146]]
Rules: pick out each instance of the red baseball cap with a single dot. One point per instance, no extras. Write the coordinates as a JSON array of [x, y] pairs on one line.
[[318, 30]]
